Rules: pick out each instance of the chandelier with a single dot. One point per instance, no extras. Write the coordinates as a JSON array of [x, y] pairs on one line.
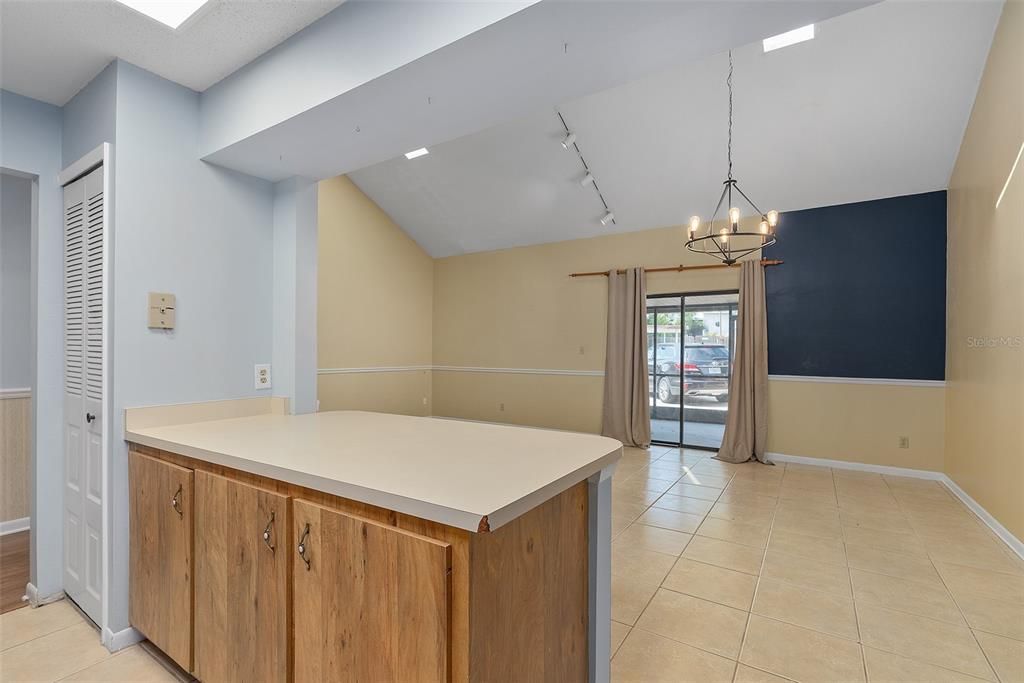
[[728, 243]]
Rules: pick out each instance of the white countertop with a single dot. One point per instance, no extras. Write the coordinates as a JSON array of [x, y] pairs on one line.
[[448, 471]]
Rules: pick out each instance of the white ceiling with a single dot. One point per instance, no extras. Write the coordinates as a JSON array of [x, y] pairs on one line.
[[549, 52], [874, 106], [50, 49]]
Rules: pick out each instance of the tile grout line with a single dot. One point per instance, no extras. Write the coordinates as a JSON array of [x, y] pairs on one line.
[[31, 640], [849, 579], [757, 582]]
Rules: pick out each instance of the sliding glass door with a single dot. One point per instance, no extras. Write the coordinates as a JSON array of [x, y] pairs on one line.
[[689, 358]]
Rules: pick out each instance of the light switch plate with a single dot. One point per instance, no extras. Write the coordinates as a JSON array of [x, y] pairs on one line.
[[161, 310], [262, 377]]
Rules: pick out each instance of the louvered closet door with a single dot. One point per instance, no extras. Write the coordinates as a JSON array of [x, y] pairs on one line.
[[83, 391]]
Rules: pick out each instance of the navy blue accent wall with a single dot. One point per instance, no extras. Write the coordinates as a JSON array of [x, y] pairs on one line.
[[862, 292]]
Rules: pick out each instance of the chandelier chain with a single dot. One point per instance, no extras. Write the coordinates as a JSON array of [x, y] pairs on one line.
[[728, 82]]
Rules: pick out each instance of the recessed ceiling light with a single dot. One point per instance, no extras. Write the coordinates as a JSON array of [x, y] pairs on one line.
[[417, 153], [797, 35], [173, 13]]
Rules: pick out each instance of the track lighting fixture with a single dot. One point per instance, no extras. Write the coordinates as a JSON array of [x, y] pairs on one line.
[[588, 178]]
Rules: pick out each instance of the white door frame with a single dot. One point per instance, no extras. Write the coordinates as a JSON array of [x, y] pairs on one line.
[[103, 155]]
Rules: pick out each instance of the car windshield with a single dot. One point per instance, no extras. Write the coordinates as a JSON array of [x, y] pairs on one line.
[[706, 353]]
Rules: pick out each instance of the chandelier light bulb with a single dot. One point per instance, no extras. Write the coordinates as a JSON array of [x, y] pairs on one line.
[[725, 235], [773, 218], [734, 215], [694, 224], [764, 227]]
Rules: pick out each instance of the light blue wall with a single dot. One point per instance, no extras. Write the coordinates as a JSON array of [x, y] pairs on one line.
[[89, 116], [30, 142], [15, 282], [201, 233], [295, 280]]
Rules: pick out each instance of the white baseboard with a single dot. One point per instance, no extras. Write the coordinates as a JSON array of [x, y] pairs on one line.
[[858, 466], [126, 637], [14, 526], [991, 522], [37, 600]]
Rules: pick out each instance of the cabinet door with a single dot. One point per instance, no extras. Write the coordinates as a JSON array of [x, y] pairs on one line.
[[242, 563], [372, 604], [160, 554]]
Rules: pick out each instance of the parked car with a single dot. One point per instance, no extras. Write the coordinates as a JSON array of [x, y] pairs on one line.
[[703, 371]]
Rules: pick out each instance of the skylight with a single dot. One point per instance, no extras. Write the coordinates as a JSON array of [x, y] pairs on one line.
[[797, 35], [172, 13]]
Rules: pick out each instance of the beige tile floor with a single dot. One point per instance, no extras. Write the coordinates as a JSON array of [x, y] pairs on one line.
[[750, 573], [56, 643], [740, 573]]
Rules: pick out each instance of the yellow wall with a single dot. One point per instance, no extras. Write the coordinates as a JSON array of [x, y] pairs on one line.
[[517, 308], [374, 306], [858, 422], [985, 285], [15, 456]]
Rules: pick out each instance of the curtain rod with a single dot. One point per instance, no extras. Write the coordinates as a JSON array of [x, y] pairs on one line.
[[680, 268]]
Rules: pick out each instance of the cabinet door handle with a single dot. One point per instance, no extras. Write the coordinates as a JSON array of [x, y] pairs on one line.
[[266, 533], [176, 501], [303, 540]]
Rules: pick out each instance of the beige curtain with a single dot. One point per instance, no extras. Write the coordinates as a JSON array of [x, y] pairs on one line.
[[627, 409], [746, 427]]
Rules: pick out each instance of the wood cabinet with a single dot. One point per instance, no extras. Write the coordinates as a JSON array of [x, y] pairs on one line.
[[372, 601], [242, 558], [160, 554], [384, 596]]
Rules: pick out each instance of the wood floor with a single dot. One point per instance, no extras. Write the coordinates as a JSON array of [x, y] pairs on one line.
[[13, 570]]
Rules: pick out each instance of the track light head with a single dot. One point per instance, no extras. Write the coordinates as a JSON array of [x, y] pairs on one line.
[[588, 179], [609, 217], [569, 140]]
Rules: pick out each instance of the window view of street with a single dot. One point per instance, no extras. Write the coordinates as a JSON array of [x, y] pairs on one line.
[[689, 358]]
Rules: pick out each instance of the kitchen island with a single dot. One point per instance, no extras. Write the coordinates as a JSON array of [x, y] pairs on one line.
[[366, 546]]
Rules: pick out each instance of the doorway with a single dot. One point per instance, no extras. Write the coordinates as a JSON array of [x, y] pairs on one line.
[[690, 345], [16, 381]]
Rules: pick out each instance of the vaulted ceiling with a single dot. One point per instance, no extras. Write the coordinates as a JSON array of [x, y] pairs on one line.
[[874, 106], [50, 49]]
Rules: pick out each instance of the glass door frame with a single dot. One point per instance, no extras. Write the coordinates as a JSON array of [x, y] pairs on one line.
[[682, 350]]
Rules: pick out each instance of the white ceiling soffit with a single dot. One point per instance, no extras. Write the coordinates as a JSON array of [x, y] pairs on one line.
[[548, 53], [875, 106], [50, 49]]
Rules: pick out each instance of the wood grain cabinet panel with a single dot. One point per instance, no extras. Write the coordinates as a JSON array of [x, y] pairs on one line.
[[373, 603], [241, 582], [160, 554]]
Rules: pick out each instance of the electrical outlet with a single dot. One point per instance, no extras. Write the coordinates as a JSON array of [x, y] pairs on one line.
[[904, 442], [501, 407], [262, 376]]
